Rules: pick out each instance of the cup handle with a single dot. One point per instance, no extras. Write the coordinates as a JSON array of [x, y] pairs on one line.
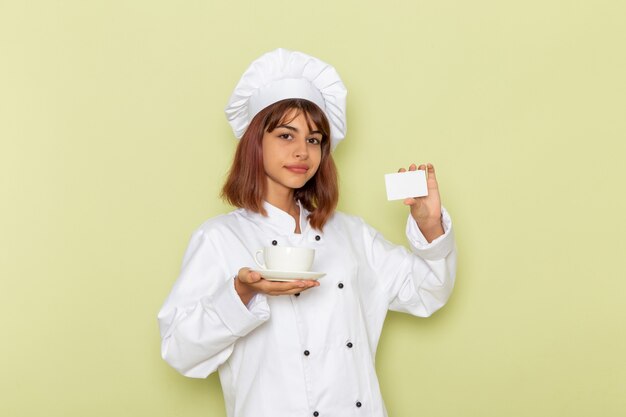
[[256, 259]]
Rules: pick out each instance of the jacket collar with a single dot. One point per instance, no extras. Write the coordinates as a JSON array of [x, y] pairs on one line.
[[280, 220]]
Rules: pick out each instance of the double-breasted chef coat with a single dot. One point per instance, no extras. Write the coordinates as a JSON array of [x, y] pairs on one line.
[[299, 355]]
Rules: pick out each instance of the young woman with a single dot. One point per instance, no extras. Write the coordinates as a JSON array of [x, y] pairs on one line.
[[302, 347]]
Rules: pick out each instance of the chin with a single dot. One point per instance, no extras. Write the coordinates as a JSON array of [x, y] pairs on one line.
[[295, 184], [298, 185]]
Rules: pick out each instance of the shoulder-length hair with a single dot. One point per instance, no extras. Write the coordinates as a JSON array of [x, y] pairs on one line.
[[245, 185]]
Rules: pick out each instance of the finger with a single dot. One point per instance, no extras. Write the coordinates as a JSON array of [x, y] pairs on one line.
[[288, 287], [402, 170], [409, 201], [308, 284], [422, 167], [293, 292], [412, 167], [247, 276], [283, 286], [431, 171], [254, 277]]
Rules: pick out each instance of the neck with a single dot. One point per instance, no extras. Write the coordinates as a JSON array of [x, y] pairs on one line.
[[284, 201]]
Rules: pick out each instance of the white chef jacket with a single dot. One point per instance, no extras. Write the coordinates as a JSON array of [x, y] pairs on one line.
[[306, 355]]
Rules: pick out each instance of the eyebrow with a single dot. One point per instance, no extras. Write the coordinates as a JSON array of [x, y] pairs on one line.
[[296, 130]]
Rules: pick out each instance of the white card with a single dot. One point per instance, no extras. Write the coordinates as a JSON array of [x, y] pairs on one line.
[[407, 184]]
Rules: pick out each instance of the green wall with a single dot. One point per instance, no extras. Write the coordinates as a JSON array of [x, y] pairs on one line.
[[114, 147]]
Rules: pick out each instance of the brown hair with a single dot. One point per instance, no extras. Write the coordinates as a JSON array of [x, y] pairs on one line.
[[245, 185]]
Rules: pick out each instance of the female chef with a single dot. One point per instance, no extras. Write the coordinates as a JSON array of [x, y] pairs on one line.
[[303, 347]]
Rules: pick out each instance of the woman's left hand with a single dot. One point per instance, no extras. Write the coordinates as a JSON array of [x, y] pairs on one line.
[[427, 210]]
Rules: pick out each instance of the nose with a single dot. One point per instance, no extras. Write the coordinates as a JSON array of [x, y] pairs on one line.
[[301, 150]]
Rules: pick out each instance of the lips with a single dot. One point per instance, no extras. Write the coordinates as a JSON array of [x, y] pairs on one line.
[[297, 168]]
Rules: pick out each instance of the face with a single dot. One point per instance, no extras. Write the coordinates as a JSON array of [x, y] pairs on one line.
[[291, 155]]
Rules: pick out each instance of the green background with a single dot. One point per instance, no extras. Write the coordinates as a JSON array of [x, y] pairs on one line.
[[114, 147]]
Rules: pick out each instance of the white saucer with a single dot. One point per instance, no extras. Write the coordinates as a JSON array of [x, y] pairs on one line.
[[274, 275]]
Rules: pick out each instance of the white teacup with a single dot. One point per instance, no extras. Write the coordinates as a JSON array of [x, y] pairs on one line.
[[285, 258]]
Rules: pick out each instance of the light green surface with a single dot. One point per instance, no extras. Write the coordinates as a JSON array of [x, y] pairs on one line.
[[114, 147]]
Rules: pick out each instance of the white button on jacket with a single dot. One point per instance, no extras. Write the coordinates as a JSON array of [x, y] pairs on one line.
[[313, 354]]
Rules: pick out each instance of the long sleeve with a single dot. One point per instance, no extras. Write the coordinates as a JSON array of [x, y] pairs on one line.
[[203, 316], [419, 281]]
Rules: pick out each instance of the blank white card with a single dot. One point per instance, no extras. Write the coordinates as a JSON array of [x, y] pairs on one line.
[[407, 184]]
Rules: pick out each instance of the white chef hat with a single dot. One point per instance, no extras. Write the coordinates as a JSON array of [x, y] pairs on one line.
[[283, 74]]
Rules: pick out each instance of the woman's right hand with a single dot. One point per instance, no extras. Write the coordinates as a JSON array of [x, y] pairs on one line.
[[248, 283]]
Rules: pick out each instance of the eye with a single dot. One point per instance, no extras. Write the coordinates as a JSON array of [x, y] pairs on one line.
[[286, 136], [314, 141]]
